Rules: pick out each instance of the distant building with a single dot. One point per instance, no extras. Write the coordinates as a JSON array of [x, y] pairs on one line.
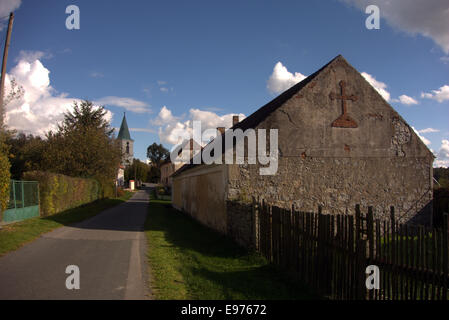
[[168, 167], [127, 148]]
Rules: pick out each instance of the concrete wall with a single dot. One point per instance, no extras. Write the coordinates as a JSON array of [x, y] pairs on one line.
[[201, 193]]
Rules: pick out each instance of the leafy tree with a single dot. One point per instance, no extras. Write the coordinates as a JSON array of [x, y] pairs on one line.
[[25, 153], [137, 170], [157, 154], [86, 116], [442, 176], [84, 146], [16, 92], [154, 174]]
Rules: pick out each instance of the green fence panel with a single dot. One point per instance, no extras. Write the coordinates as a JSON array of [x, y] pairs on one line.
[[24, 201]]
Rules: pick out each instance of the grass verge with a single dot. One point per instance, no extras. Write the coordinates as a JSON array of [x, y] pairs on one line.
[[190, 261], [15, 235]]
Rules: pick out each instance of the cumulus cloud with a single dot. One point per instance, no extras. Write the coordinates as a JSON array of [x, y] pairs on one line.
[[423, 139], [404, 99], [129, 104], [378, 85], [42, 107], [439, 95], [6, 7], [173, 130], [428, 18], [442, 159], [428, 130], [281, 79], [165, 116]]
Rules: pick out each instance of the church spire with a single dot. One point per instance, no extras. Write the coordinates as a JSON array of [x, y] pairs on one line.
[[123, 134]]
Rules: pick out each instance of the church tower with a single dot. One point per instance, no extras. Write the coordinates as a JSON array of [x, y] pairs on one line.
[[127, 144]]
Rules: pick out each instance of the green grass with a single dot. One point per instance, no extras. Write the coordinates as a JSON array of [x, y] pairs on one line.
[[190, 261], [15, 235]]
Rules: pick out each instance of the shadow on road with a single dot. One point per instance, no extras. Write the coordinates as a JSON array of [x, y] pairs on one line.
[[121, 216]]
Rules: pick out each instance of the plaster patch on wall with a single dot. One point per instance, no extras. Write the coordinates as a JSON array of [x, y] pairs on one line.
[[400, 136]]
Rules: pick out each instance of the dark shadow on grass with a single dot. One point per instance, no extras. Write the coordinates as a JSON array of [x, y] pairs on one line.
[[257, 280]]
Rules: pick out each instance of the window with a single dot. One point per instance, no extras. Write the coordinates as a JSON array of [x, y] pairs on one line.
[[127, 148]]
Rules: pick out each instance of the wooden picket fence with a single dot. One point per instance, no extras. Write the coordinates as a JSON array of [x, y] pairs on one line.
[[330, 253]]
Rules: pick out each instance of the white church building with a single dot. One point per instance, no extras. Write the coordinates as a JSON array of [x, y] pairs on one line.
[[127, 145]]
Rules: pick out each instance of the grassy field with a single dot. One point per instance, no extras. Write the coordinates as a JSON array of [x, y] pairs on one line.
[[190, 261], [15, 235]]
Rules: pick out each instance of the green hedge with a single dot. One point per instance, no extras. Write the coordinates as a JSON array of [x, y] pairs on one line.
[[4, 182], [58, 192]]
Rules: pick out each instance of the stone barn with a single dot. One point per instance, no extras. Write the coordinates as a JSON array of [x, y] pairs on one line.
[[340, 144]]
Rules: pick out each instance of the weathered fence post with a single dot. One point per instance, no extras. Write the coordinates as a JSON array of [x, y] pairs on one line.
[[360, 269], [445, 255]]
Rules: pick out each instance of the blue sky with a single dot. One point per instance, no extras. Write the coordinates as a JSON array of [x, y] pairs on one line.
[[211, 59]]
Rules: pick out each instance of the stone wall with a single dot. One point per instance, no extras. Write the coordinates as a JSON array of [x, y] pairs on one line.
[[338, 184], [241, 223]]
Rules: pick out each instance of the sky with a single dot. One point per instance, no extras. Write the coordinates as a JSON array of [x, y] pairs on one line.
[[166, 63]]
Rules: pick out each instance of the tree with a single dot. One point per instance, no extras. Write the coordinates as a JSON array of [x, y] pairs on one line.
[[16, 92], [86, 116], [25, 153], [154, 174], [157, 153], [84, 146], [137, 170]]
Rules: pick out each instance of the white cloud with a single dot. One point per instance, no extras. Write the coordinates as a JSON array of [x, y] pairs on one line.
[[445, 59], [95, 74], [439, 95], [147, 130], [428, 130], [281, 79], [164, 117], [442, 159], [41, 107], [423, 139], [378, 85], [6, 7], [163, 89], [33, 55], [172, 129], [129, 104], [404, 99], [428, 18]]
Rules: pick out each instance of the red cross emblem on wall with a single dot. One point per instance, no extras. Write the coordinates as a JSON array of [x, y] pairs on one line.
[[343, 121]]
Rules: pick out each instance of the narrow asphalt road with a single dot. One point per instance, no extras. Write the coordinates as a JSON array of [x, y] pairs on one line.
[[109, 250]]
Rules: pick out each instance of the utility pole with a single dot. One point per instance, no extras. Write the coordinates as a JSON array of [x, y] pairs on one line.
[[5, 58]]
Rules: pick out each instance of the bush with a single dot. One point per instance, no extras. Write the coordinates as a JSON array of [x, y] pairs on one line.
[[5, 175], [4, 182], [58, 192], [120, 192]]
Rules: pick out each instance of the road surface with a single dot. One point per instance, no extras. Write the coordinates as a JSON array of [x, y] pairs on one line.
[[109, 250]]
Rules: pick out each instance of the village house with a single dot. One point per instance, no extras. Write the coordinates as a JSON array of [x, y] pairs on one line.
[[167, 169], [340, 144]]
